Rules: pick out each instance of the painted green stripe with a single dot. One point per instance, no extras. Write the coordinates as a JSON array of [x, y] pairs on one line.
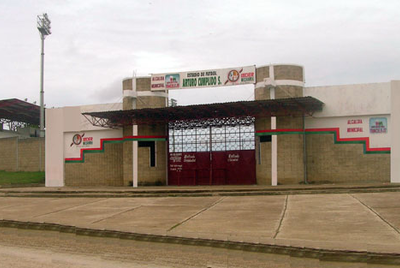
[[111, 142], [116, 141], [257, 134], [74, 161], [278, 133], [293, 132], [146, 139], [378, 152], [93, 151], [322, 132], [349, 142], [335, 139], [135, 139]]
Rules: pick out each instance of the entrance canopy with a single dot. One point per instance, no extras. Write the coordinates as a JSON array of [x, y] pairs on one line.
[[241, 109]]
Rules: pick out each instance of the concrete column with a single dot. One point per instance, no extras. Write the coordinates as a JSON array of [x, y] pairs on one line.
[[134, 143], [274, 147], [395, 132], [135, 157], [136, 166], [54, 147], [127, 147], [285, 161], [149, 99], [274, 139]]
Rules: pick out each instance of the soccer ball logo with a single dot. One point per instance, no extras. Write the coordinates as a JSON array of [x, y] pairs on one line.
[[77, 139], [233, 76]]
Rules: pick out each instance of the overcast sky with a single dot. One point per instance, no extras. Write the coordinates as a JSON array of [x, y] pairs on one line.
[[96, 43]]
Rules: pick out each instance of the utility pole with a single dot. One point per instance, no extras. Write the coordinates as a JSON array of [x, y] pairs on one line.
[[43, 25]]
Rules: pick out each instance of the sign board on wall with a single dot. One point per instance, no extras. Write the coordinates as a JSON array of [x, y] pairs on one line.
[[378, 125], [204, 78]]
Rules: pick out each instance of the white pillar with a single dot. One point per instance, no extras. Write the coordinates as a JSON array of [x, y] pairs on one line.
[[395, 132], [134, 143], [274, 138], [135, 157], [274, 146]]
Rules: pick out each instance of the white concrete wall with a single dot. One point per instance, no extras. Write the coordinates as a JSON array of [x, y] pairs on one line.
[[54, 147], [60, 121], [352, 100], [395, 141], [75, 121]]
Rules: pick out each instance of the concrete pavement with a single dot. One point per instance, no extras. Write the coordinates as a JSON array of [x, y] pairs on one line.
[[365, 222]]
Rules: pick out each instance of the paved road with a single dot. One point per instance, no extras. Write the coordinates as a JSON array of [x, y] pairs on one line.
[[46, 249], [334, 221]]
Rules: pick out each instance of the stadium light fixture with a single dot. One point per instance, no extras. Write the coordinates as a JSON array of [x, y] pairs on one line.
[[43, 25]]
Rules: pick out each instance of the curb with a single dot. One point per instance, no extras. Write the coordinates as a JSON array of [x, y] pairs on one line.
[[142, 190], [201, 193], [302, 252]]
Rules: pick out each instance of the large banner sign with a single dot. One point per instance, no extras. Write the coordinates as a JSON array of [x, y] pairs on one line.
[[205, 78]]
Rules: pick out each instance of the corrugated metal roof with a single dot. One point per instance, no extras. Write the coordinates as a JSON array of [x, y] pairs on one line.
[[259, 108], [19, 111]]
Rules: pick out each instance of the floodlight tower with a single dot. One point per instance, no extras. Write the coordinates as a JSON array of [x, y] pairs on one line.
[[43, 25]]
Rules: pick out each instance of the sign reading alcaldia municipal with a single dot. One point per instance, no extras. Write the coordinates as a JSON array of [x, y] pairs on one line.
[[205, 78]]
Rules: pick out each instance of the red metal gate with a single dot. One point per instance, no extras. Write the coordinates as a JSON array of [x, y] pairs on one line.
[[212, 154], [212, 168]]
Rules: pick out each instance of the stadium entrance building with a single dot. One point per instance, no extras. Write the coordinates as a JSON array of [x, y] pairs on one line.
[[288, 134]]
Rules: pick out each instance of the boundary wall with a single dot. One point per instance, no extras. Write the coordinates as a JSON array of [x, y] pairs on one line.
[[18, 154]]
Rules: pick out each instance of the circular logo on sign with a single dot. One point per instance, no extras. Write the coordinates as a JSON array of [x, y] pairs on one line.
[[77, 139], [233, 76]]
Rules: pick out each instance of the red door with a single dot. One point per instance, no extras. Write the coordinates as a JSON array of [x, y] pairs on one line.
[[218, 168], [212, 168], [203, 168], [241, 167]]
